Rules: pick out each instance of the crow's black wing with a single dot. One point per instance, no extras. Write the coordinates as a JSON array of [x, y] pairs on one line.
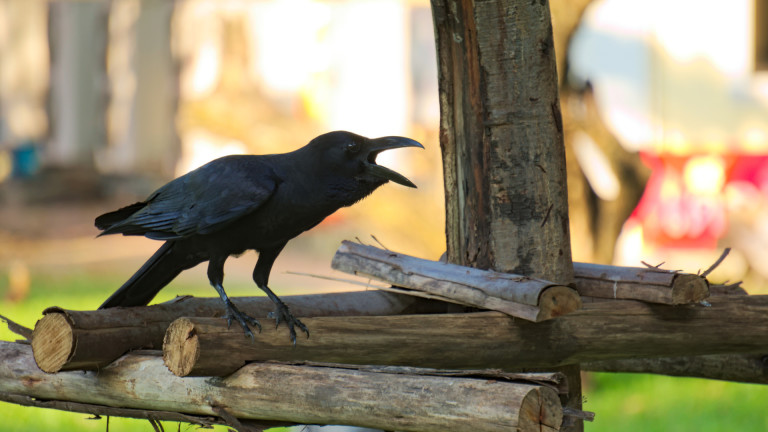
[[200, 202]]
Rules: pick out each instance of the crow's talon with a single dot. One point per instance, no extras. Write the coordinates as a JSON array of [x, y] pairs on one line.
[[282, 314], [243, 319]]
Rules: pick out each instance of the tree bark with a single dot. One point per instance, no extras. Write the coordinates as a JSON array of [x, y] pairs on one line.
[[70, 340], [600, 331], [501, 137], [519, 296], [300, 394], [646, 284]]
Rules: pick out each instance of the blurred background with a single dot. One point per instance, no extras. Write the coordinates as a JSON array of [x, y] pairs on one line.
[[665, 107]]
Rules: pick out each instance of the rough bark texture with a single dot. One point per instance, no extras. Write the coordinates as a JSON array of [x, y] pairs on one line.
[[69, 340], [748, 368], [646, 284], [604, 330], [519, 296], [300, 394], [501, 134]]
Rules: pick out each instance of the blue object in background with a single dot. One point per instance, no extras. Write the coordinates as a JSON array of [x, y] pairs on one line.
[[25, 160]]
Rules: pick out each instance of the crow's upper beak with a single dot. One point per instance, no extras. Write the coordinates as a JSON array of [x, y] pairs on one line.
[[378, 145]]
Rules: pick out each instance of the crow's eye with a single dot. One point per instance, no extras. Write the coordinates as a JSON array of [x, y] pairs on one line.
[[353, 147]]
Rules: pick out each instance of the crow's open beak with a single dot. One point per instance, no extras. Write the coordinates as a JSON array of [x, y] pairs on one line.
[[378, 145]]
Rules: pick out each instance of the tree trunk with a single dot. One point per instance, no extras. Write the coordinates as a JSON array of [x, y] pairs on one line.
[[78, 95], [501, 135]]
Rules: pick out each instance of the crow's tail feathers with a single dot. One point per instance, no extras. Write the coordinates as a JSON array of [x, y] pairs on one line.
[[107, 220], [155, 274]]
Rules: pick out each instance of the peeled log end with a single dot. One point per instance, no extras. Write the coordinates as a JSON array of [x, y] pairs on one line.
[[689, 288], [53, 342], [556, 301], [181, 347], [540, 411]]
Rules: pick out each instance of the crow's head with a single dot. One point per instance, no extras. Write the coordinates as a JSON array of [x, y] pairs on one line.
[[355, 156]]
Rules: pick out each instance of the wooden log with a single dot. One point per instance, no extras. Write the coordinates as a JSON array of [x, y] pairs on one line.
[[69, 340], [298, 394], [633, 283], [605, 330], [747, 368], [519, 296]]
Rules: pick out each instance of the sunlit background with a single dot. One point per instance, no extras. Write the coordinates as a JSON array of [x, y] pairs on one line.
[[684, 84], [102, 102]]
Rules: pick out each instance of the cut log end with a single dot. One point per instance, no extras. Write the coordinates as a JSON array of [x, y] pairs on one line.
[[556, 301], [541, 410], [181, 347], [689, 288], [53, 342]]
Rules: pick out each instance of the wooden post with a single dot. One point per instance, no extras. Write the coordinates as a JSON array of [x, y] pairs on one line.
[[501, 135]]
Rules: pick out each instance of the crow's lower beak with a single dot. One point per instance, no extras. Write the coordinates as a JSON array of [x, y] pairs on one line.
[[378, 145]]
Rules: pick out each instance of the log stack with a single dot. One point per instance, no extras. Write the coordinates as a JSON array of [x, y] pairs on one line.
[[404, 400], [400, 329]]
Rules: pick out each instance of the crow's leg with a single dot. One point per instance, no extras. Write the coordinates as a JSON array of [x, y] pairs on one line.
[[216, 277], [261, 277]]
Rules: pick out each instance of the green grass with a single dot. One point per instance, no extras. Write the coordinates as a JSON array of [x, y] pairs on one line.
[[622, 402], [637, 402]]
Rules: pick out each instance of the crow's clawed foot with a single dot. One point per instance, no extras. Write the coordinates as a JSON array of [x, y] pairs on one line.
[[282, 314], [233, 312]]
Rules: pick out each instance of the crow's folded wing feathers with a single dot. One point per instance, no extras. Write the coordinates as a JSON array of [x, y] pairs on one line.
[[202, 201]]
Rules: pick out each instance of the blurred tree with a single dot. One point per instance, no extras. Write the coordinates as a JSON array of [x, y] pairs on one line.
[[607, 181]]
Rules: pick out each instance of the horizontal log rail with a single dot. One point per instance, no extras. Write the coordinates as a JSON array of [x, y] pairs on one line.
[[89, 340], [600, 331]]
